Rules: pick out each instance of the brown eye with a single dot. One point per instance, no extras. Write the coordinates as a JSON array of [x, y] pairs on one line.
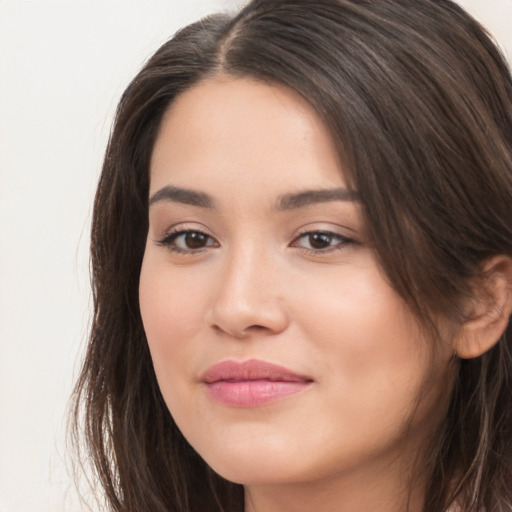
[[188, 241], [195, 240], [321, 241]]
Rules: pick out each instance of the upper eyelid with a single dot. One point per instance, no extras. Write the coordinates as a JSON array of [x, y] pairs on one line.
[[185, 227], [337, 230], [341, 231], [168, 241], [323, 232], [175, 233]]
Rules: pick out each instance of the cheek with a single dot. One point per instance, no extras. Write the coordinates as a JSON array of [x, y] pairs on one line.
[[172, 311], [377, 354], [354, 310]]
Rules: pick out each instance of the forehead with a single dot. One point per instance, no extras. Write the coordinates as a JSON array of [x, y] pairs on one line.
[[244, 132]]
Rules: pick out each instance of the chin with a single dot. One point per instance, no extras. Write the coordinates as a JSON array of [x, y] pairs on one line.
[[266, 472], [250, 464]]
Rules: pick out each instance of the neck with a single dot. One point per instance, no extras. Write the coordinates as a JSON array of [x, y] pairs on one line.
[[384, 487]]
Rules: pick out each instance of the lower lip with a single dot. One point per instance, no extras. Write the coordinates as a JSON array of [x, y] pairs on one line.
[[253, 393]]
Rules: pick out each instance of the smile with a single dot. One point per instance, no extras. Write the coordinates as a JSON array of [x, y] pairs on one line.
[[252, 383]]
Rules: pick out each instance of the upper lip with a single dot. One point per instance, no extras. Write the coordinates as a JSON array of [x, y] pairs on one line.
[[252, 369]]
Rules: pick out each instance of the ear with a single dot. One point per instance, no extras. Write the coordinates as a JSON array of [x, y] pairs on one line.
[[489, 309]]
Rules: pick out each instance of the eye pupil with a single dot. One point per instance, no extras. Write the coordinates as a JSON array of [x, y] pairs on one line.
[[320, 240], [195, 240]]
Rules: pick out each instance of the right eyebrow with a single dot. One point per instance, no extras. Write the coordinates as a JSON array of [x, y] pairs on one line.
[[174, 194], [310, 197]]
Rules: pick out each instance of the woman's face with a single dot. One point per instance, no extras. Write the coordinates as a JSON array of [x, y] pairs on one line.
[[282, 352]]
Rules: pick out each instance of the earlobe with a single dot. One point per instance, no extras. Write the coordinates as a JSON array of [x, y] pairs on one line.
[[490, 309]]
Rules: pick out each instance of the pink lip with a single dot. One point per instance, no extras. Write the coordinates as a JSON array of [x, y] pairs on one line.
[[251, 383]]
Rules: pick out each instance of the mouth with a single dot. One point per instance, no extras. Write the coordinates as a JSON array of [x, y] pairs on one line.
[[252, 383]]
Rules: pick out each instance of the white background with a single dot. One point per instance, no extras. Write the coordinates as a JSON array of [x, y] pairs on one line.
[[63, 66]]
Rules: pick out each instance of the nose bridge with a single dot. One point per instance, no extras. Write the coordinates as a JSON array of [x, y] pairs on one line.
[[248, 294], [243, 265]]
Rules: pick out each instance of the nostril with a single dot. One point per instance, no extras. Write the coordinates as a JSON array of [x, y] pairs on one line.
[[256, 328], [252, 329]]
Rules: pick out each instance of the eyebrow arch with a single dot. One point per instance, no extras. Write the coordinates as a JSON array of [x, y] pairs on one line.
[[309, 197], [174, 194]]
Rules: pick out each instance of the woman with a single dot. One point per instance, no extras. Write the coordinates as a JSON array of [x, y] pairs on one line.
[[302, 267]]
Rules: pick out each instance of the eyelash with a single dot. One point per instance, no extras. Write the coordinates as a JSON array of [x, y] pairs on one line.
[[170, 238], [342, 242]]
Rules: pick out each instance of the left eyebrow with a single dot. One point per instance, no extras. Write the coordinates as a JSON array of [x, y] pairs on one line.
[[310, 197]]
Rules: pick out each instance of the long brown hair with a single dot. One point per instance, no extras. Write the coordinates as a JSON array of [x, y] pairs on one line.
[[419, 103]]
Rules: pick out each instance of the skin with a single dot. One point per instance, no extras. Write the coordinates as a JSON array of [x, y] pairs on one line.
[[255, 285]]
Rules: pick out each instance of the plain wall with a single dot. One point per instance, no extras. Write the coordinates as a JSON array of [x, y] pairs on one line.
[[63, 66]]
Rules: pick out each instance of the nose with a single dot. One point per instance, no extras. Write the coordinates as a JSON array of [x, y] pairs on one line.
[[248, 299]]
